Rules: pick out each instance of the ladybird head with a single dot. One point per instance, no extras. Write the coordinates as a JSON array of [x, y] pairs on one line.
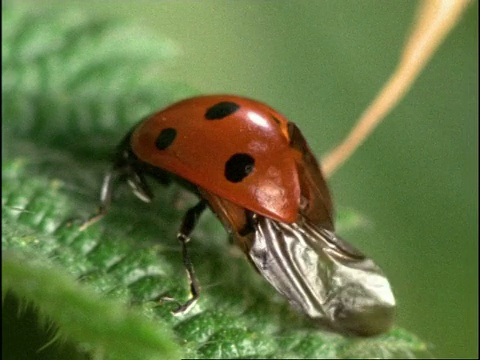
[[127, 166], [123, 156]]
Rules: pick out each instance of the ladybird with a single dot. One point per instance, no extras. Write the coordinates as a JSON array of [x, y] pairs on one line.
[[255, 171]]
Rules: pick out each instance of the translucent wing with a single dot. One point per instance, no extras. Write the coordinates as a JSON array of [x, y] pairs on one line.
[[323, 276]]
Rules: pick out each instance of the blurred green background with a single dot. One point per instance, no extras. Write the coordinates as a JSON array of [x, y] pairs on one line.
[[320, 63]]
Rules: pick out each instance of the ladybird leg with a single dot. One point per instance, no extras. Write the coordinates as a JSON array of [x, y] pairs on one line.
[[139, 186], [188, 224], [105, 200], [137, 183]]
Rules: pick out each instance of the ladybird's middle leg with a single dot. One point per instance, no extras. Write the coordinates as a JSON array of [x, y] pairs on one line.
[[188, 224]]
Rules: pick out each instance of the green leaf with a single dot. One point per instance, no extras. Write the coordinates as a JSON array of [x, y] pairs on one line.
[[72, 87], [82, 314]]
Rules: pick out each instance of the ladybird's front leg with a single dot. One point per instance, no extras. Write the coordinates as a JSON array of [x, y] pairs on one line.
[[105, 200], [188, 224], [134, 178]]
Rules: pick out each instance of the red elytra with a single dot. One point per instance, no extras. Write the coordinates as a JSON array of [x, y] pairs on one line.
[[200, 135]]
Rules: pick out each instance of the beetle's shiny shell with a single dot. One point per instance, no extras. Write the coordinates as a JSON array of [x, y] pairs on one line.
[[236, 148]]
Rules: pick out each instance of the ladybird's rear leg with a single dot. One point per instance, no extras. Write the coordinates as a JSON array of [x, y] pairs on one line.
[[188, 224]]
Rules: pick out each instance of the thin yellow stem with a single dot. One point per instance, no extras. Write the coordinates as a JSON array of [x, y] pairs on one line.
[[434, 20]]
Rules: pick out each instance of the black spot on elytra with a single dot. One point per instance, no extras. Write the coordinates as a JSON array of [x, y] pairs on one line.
[[166, 138], [238, 167], [221, 110]]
